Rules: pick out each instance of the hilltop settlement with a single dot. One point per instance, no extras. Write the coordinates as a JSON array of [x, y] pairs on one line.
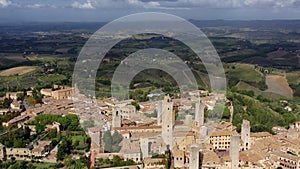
[[53, 125]]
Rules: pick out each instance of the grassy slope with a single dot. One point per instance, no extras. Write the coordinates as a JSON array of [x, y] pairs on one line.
[[293, 77], [243, 72]]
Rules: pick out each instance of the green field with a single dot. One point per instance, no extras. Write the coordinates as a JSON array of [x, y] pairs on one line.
[[244, 72], [293, 77]]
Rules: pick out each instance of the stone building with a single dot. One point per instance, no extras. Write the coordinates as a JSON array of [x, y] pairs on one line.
[[62, 93], [39, 150], [194, 156], [96, 135], [168, 121], [221, 139], [116, 118], [199, 113], [46, 92], [152, 146], [179, 158], [159, 112], [128, 112], [245, 135], [154, 163], [234, 151], [131, 150], [287, 161]]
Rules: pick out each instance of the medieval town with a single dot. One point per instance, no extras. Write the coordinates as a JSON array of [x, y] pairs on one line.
[[167, 133]]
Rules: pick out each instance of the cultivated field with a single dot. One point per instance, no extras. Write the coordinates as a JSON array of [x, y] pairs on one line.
[[17, 70], [279, 84], [270, 95]]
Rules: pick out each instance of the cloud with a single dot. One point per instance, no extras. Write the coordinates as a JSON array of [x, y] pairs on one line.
[[115, 4], [36, 6], [153, 4], [86, 5], [4, 3], [204, 3], [150, 4], [270, 3], [157, 4]]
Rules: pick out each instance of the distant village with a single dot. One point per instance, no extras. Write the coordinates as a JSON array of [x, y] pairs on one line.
[[172, 132]]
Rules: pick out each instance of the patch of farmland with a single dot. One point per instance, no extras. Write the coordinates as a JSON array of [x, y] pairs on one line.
[[17, 70], [279, 84]]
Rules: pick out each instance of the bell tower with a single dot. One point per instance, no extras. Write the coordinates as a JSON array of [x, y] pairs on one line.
[[116, 118], [168, 120]]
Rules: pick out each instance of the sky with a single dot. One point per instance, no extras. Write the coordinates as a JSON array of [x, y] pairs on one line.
[[108, 10]]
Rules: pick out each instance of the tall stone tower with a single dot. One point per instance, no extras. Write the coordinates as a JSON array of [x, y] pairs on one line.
[[231, 109], [195, 156], [203, 133], [234, 151], [245, 134], [116, 118], [168, 121], [159, 112], [199, 113], [144, 144]]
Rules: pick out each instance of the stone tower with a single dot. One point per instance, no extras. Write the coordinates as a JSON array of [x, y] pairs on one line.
[[116, 118], [145, 148], [245, 134], [231, 109], [199, 113], [159, 112], [195, 156], [234, 151], [168, 121], [203, 133]]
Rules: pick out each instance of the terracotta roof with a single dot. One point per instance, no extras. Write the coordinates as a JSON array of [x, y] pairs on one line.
[[260, 134], [154, 160], [210, 156], [223, 133], [137, 128]]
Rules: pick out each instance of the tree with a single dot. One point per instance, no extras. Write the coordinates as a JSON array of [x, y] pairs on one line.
[[107, 138], [18, 143], [68, 122], [30, 101], [116, 161], [112, 141], [5, 103], [75, 164], [226, 113], [136, 104], [117, 137], [26, 133], [20, 96], [64, 148], [22, 165], [52, 133]]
